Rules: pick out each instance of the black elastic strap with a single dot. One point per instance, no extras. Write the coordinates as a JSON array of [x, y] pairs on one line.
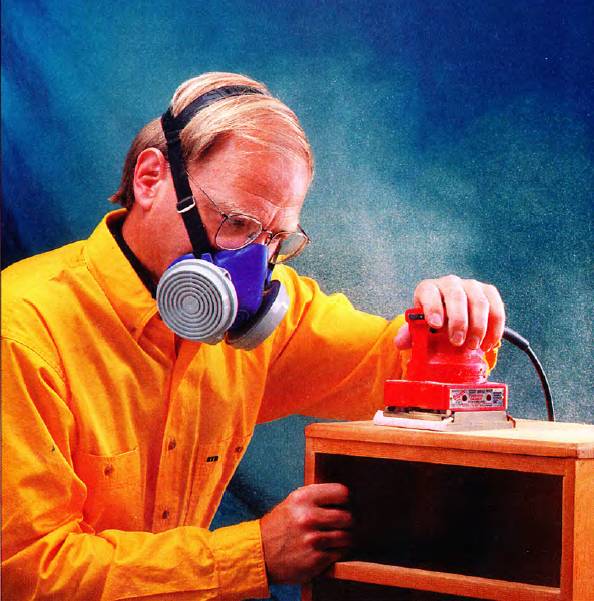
[[188, 113], [186, 204], [172, 127]]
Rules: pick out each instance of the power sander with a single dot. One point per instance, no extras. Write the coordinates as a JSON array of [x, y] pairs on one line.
[[446, 387]]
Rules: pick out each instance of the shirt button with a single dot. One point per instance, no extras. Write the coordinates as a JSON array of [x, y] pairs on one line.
[[165, 514], [108, 470], [172, 444]]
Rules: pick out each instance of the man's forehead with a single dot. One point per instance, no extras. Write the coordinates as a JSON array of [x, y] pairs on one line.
[[272, 186], [244, 170]]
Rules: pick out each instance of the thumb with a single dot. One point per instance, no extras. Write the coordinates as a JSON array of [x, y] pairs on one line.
[[402, 339]]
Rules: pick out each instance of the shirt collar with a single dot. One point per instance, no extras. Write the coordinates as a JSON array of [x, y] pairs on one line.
[[122, 286]]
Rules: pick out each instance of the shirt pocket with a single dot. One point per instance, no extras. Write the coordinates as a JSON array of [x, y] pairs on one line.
[[115, 490], [216, 464]]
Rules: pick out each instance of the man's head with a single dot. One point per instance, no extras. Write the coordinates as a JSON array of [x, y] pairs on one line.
[[246, 153]]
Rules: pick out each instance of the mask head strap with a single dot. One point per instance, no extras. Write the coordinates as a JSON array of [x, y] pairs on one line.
[[172, 127]]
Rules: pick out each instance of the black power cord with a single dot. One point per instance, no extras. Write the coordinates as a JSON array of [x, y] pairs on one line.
[[521, 342]]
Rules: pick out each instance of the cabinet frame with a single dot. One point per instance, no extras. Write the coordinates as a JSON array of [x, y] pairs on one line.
[[564, 450]]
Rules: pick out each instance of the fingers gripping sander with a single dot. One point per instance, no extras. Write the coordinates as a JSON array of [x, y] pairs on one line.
[[446, 386]]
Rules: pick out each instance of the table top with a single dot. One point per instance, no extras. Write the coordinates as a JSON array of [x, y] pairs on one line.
[[530, 437]]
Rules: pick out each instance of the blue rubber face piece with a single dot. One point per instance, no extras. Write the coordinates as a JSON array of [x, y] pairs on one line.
[[248, 268]]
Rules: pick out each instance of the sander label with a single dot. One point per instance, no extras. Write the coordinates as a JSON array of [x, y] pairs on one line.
[[477, 398]]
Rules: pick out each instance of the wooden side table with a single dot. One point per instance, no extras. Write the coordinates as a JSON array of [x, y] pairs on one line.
[[499, 514]]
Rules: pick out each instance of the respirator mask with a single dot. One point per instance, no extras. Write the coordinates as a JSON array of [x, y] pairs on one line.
[[210, 295]]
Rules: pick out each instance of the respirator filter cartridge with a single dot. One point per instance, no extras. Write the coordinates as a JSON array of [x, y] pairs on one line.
[[197, 300]]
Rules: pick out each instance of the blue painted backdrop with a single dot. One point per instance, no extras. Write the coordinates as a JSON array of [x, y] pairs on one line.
[[450, 136]]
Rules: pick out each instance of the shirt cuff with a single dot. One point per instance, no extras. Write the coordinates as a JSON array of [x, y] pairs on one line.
[[239, 558]]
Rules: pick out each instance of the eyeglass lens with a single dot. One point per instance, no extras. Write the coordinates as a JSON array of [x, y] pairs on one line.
[[237, 231], [290, 245]]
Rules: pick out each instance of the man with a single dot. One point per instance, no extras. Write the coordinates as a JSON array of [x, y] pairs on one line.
[[123, 425]]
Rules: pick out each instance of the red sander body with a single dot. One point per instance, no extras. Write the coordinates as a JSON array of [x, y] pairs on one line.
[[447, 387]]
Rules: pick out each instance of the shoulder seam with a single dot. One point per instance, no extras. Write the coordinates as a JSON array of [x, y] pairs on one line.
[[55, 369]]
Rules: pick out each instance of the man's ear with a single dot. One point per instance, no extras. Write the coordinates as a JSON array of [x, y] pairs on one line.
[[150, 177]]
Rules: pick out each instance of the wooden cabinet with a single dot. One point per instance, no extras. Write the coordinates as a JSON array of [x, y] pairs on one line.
[[500, 514]]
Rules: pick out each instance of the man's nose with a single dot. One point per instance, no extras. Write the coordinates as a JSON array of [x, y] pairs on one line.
[[267, 240]]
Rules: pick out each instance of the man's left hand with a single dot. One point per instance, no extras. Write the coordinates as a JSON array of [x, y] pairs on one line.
[[474, 311]]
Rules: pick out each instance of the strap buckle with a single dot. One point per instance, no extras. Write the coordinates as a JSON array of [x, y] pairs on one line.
[[185, 204]]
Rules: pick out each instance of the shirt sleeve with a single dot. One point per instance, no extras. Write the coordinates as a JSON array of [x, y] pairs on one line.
[[330, 360], [50, 552]]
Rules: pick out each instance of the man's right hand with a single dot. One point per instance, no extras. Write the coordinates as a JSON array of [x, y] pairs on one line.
[[306, 533]]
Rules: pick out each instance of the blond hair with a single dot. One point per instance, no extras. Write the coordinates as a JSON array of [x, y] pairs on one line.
[[260, 118]]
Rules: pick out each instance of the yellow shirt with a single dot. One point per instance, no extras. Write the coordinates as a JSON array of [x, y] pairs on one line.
[[119, 439]]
